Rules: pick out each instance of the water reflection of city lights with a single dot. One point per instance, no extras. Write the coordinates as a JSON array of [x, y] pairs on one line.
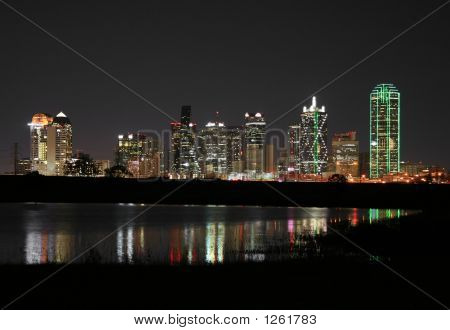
[[211, 240]]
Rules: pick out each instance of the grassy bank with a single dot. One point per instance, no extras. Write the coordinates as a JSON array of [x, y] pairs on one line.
[[313, 284]]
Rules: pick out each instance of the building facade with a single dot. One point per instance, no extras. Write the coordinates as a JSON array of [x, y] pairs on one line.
[[102, 165], [23, 166], [59, 144], [213, 150], [412, 168], [235, 149], [313, 139], [270, 167], [50, 143], [174, 159], [384, 131], [184, 153], [345, 154], [294, 148], [254, 139], [283, 164], [139, 153], [38, 141]]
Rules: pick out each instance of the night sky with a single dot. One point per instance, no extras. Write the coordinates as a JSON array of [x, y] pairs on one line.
[[227, 56]]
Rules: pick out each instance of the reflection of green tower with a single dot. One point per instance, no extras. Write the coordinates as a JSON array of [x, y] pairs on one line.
[[384, 130]]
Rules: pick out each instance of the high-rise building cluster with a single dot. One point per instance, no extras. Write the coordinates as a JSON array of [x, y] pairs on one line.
[[241, 152], [220, 151], [217, 151]]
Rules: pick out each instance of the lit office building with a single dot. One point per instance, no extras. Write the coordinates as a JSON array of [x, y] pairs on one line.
[[384, 130], [50, 143], [213, 150], [313, 139], [38, 141], [184, 147], [23, 166], [102, 165], [139, 154], [59, 144], [254, 138], [412, 168], [235, 149], [174, 160], [345, 154], [283, 164], [269, 154], [294, 148]]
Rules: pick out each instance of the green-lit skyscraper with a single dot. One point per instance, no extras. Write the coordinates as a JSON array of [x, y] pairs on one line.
[[384, 130]]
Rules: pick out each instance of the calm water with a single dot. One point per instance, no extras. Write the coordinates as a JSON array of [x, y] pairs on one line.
[[56, 233]]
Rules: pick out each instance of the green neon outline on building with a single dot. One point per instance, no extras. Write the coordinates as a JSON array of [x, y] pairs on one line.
[[384, 109]]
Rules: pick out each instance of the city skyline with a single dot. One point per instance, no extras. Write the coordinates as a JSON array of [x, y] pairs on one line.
[[187, 143], [270, 73], [246, 152], [287, 130]]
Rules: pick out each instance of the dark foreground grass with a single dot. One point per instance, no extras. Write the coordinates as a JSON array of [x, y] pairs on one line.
[[313, 284]]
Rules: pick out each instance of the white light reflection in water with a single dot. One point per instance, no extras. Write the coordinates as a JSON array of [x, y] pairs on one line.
[[130, 243], [215, 237], [141, 239], [119, 245], [190, 242], [33, 248], [210, 243]]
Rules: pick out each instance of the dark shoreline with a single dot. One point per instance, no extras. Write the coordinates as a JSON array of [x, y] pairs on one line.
[[314, 284], [201, 192]]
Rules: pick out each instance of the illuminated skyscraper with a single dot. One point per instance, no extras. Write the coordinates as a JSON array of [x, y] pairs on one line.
[[384, 130], [50, 143], [313, 139], [175, 148], [59, 144], [213, 150], [345, 154], [184, 147], [255, 134], [235, 149], [38, 141], [294, 148]]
